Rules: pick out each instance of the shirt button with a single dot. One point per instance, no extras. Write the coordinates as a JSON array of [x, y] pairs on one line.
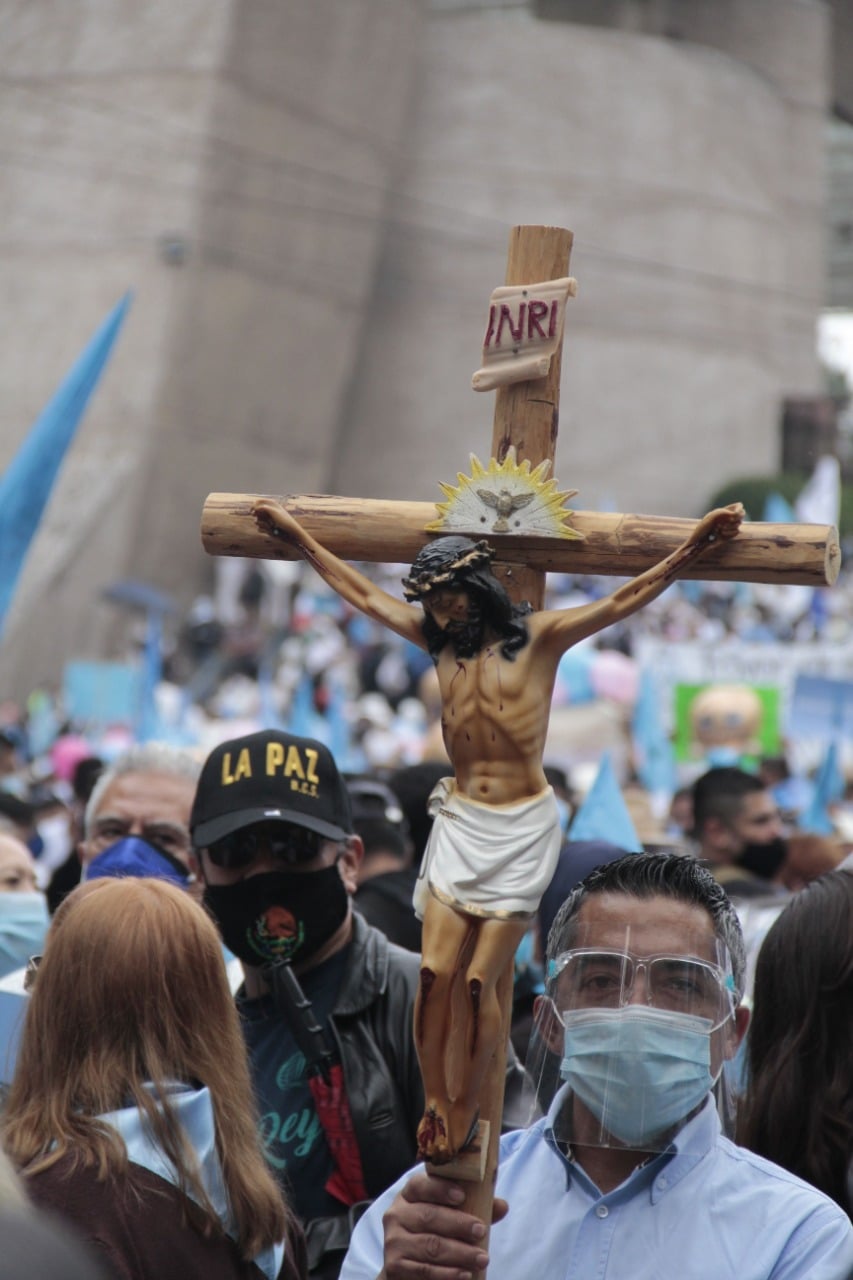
[[601, 1211], [662, 1184]]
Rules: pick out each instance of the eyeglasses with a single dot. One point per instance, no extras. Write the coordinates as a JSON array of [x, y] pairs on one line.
[[168, 836], [290, 845], [606, 980]]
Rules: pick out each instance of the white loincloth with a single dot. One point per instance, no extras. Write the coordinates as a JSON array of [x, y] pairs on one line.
[[485, 859]]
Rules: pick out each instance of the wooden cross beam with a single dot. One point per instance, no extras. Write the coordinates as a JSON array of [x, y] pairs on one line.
[[526, 420], [370, 529]]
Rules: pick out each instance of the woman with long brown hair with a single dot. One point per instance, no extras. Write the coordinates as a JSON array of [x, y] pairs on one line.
[[799, 1101], [131, 1108]]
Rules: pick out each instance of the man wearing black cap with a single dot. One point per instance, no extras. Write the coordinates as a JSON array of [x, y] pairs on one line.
[[273, 829]]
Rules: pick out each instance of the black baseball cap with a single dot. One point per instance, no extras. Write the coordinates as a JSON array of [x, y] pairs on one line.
[[270, 776], [373, 800]]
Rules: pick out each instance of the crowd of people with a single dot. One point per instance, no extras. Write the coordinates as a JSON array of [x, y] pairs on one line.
[[264, 648], [214, 967]]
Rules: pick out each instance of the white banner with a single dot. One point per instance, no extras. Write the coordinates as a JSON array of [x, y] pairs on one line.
[[737, 662]]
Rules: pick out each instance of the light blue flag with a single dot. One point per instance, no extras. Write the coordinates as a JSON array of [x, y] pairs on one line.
[[42, 723], [27, 483], [604, 814], [268, 711], [828, 787], [653, 750], [301, 716], [574, 675], [148, 725], [13, 1007], [339, 739], [778, 510]]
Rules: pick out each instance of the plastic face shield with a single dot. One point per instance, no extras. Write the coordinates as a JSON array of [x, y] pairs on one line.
[[627, 1043]]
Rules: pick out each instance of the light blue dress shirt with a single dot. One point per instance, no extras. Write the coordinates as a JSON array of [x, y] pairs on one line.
[[703, 1210]]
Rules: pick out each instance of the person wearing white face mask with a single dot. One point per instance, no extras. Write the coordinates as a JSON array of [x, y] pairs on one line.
[[53, 833], [629, 1173], [23, 910]]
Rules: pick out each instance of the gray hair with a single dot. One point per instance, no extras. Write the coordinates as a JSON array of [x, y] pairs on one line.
[[647, 875], [150, 757]]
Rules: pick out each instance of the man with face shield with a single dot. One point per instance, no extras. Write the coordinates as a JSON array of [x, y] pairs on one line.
[[645, 998], [629, 1174]]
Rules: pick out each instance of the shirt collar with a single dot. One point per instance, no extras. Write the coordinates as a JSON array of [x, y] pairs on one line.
[[690, 1144]]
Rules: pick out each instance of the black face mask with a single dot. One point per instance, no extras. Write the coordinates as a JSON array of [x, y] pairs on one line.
[[279, 915], [764, 860]]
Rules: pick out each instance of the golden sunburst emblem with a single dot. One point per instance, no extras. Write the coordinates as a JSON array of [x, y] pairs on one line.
[[505, 497]]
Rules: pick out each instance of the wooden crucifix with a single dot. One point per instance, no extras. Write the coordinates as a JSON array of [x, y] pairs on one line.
[[496, 690]]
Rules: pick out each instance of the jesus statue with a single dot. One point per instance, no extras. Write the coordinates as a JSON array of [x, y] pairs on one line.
[[496, 835]]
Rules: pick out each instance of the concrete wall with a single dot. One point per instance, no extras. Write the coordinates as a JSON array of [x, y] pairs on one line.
[[311, 201], [839, 291], [842, 58], [694, 187], [304, 135], [102, 115], [840, 254], [255, 137]]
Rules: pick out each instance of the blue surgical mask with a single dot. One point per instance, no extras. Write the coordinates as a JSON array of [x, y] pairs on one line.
[[639, 1070], [23, 926], [134, 856]]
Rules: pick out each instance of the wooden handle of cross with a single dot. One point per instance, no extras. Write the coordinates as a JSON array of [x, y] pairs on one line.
[[526, 419], [363, 529]]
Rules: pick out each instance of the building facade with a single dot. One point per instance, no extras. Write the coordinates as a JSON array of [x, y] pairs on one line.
[[311, 201]]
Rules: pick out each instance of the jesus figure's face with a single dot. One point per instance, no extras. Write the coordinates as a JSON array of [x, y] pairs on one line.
[[450, 607], [459, 617]]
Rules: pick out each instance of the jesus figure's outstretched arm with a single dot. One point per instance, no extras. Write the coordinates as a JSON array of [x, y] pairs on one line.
[[358, 590]]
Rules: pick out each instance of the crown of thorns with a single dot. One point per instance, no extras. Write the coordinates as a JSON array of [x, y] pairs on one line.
[[436, 571]]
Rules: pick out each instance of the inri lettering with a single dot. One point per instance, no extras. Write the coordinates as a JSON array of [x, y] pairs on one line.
[[524, 321]]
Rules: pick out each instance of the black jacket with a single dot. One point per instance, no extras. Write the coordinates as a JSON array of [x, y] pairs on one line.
[[385, 901], [372, 1028]]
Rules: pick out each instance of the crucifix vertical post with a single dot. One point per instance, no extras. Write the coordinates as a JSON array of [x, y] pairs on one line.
[[526, 418], [527, 413]]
